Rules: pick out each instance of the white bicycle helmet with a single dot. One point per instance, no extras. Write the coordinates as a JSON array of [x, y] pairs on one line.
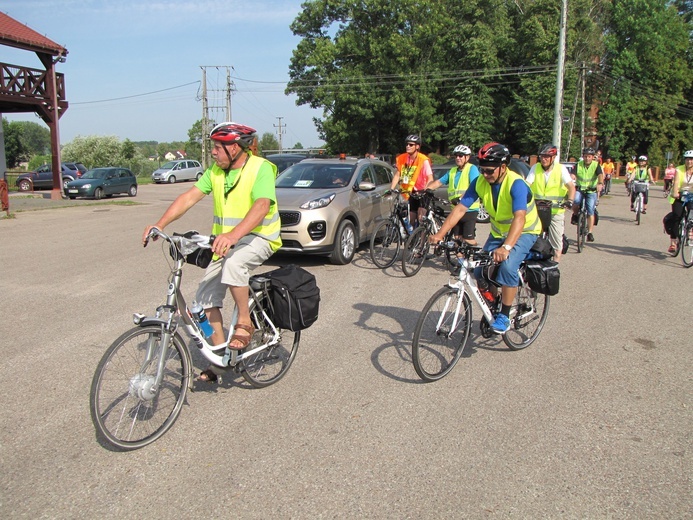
[[642, 158], [688, 154], [462, 150]]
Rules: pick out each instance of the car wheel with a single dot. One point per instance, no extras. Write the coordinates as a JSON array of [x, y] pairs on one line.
[[24, 185], [98, 193], [198, 177], [172, 179], [65, 181], [483, 217], [344, 243], [132, 191]]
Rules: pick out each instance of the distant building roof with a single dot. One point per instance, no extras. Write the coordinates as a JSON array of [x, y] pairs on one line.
[[21, 36]]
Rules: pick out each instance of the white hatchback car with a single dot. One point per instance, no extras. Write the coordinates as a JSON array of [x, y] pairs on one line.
[[181, 170]]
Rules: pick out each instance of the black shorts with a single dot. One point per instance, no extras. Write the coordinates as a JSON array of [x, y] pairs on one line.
[[466, 227]]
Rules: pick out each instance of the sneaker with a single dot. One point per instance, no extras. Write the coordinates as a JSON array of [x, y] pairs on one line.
[[632, 209], [644, 212], [574, 220], [501, 324], [672, 249], [590, 237]]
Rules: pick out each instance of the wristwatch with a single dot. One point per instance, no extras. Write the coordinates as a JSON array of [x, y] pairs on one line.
[[507, 247]]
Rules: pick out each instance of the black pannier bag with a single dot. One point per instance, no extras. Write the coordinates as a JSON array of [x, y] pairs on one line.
[[543, 276], [295, 297], [542, 248]]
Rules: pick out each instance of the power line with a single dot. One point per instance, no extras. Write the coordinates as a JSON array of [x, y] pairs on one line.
[[134, 95]]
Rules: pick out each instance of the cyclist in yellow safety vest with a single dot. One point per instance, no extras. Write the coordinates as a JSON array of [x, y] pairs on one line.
[[589, 180], [683, 181], [643, 173], [515, 223], [550, 180], [458, 180], [246, 225]]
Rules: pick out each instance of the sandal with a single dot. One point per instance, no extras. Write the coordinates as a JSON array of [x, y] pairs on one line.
[[208, 376], [672, 248], [243, 339]]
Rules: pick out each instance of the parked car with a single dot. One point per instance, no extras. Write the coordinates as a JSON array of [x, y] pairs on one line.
[[330, 206], [283, 160], [42, 178], [103, 182], [180, 170]]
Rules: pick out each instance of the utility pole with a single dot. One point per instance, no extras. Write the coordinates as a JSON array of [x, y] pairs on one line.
[[281, 129], [582, 111], [560, 73], [206, 106]]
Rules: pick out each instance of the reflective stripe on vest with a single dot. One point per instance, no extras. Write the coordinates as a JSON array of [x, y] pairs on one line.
[[230, 211], [555, 190], [586, 179], [457, 191], [502, 217]]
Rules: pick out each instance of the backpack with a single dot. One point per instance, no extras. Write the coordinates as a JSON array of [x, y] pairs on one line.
[[295, 297]]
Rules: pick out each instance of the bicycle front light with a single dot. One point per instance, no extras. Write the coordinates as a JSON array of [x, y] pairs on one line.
[[319, 203], [137, 318]]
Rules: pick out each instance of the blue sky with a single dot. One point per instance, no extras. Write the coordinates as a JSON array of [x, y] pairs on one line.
[[126, 48]]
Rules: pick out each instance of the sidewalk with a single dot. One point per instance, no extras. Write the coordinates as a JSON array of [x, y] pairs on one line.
[[23, 201]]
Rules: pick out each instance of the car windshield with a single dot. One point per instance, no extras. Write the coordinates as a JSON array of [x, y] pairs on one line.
[[168, 165], [99, 173], [316, 176]]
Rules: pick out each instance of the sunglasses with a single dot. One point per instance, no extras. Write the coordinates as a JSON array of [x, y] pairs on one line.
[[411, 144]]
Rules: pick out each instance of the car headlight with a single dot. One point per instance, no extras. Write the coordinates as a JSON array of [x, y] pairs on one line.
[[319, 203], [86, 186]]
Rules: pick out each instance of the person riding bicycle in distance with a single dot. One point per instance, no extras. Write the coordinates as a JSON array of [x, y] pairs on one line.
[[458, 180], [515, 222], [413, 174], [550, 180], [589, 180], [246, 225], [643, 173]]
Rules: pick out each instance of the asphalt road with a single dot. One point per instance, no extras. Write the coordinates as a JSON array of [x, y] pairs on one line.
[[592, 421]]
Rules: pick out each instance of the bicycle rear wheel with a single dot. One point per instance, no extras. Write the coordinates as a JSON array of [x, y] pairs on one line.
[[125, 410], [385, 244], [527, 317], [441, 333], [415, 251], [581, 233], [687, 243], [269, 365]]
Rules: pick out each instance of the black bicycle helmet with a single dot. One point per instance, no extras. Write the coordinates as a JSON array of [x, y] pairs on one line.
[[590, 151], [548, 149], [413, 138], [493, 154], [231, 132]]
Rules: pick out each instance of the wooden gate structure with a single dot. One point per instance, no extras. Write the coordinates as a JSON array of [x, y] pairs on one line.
[[23, 89]]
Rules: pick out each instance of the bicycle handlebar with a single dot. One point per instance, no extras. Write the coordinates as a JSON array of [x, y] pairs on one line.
[[194, 239]]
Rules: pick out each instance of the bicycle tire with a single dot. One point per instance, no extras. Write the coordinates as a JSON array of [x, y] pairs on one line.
[[269, 365], [681, 234], [125, 413], [385, 244], [687, 244], [415, 251], [437, 349], [527, 318], [580, 231]]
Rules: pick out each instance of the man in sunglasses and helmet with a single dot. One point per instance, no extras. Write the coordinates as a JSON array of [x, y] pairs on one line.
[[515, 223], [246, 225]]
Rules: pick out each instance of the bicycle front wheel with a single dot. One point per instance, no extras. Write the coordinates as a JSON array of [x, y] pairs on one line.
[[638, 208], [385, 244], [415, 251], [269, 365], [687, 243], [581, 233], [126, 408], [441, 333], [527, 317]]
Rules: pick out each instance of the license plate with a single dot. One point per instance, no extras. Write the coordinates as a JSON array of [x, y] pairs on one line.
[[73, 191]]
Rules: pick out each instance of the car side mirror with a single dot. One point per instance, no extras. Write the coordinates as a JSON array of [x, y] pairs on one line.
[[365, 186]]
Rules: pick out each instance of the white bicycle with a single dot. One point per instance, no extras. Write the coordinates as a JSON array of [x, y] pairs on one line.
[[640, 188], [140, 384]]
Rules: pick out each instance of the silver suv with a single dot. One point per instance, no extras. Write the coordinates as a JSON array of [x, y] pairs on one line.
[[330, 206], [182, 170]]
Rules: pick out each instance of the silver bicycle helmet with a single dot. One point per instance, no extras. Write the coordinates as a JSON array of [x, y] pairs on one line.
[[688, 154], [642, 158], [462, 150]]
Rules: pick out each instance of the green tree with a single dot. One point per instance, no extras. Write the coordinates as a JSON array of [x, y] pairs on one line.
[[267, 142], [36, 138], [298, 146], [15, 149]]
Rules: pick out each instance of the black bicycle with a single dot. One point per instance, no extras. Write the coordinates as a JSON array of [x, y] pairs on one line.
[[582, 219], [684, 244], [391, 233]]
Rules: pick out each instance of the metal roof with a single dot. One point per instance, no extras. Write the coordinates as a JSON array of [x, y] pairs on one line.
[[21, 36]]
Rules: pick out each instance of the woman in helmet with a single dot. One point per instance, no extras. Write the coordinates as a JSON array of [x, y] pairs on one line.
[[458, 180], [413, 173], [683, 181], [642, 175], [515, 222], [246, 225]]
